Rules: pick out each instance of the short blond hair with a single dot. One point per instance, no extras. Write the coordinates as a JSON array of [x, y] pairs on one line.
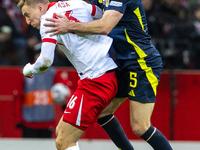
[[32, 3]]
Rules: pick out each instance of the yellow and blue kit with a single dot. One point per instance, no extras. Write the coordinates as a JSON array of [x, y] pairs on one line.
[[139, 62]]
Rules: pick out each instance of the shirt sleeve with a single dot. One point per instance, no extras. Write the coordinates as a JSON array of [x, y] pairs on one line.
[[46, 57], [119, 5], [47, 49], [95, 11]]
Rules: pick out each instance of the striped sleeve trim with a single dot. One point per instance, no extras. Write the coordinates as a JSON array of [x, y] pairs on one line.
[[49, 40], [93, 10]]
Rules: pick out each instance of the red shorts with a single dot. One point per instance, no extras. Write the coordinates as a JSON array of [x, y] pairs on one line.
[[89, 99]]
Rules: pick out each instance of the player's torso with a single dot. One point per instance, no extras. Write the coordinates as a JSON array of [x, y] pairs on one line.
[[130, 35], [85, 51]]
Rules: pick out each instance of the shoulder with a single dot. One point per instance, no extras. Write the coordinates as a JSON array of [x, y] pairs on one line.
[[124, 3]]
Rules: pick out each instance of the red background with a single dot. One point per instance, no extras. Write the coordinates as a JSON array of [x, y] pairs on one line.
[[176, 112]]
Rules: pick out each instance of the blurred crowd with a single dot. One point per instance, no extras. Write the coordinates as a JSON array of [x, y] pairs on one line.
[[17, 39], [174, 26]]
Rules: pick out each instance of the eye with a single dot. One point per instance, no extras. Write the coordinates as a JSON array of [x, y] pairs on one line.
[[26, 15]]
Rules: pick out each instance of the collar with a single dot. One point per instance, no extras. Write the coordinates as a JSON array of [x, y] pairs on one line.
[[51, 4]]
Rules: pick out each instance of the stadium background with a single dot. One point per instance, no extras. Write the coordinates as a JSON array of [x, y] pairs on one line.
[[176, 112]]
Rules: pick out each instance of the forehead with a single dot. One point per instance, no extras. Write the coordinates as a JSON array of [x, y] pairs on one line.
[[26, 9]]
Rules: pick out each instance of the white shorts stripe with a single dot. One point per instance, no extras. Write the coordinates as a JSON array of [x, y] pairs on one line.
[[78, 120]]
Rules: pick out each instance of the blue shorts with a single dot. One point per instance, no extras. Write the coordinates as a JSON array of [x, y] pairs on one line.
[[138, 78]]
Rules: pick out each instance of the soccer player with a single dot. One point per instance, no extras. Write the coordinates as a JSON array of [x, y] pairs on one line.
[[88, 54], [139, 63]]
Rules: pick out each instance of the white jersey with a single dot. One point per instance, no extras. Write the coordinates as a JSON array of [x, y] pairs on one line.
[[88, 53]]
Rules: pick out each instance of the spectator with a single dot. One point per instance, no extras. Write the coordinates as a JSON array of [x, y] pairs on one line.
[[32, 38], [5, 36], [36, 106], [173, 41], [18, 29], [195, 37], [154, 28]]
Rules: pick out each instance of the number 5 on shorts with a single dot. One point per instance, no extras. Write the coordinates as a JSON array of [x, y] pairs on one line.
[[133, 79]]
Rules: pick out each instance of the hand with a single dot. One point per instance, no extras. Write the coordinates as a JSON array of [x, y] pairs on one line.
[[27, 71], [59, 25], [31, 76]]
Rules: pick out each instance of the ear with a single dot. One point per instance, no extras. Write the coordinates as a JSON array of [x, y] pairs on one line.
[[40, 6]]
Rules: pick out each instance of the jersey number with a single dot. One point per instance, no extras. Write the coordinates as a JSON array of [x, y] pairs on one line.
[[133, 79], [69, 16], [41, 98], [71, 102]]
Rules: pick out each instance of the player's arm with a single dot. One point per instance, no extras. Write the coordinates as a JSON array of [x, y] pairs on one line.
[[104, 25], [43, 62]]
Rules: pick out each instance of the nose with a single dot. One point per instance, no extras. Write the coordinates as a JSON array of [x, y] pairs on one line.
[[28, 21]]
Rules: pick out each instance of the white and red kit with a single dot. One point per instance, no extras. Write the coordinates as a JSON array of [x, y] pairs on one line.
[[88, 54]]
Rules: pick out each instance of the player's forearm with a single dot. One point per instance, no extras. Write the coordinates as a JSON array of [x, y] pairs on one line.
[[43, 62], [40, 66], [102, 26], [93, 27]]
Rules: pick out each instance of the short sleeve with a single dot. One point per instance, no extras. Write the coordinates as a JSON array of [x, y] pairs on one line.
[[119, 5], [95, 11]]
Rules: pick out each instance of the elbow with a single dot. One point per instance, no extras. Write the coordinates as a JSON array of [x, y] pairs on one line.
[[46, 64]]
